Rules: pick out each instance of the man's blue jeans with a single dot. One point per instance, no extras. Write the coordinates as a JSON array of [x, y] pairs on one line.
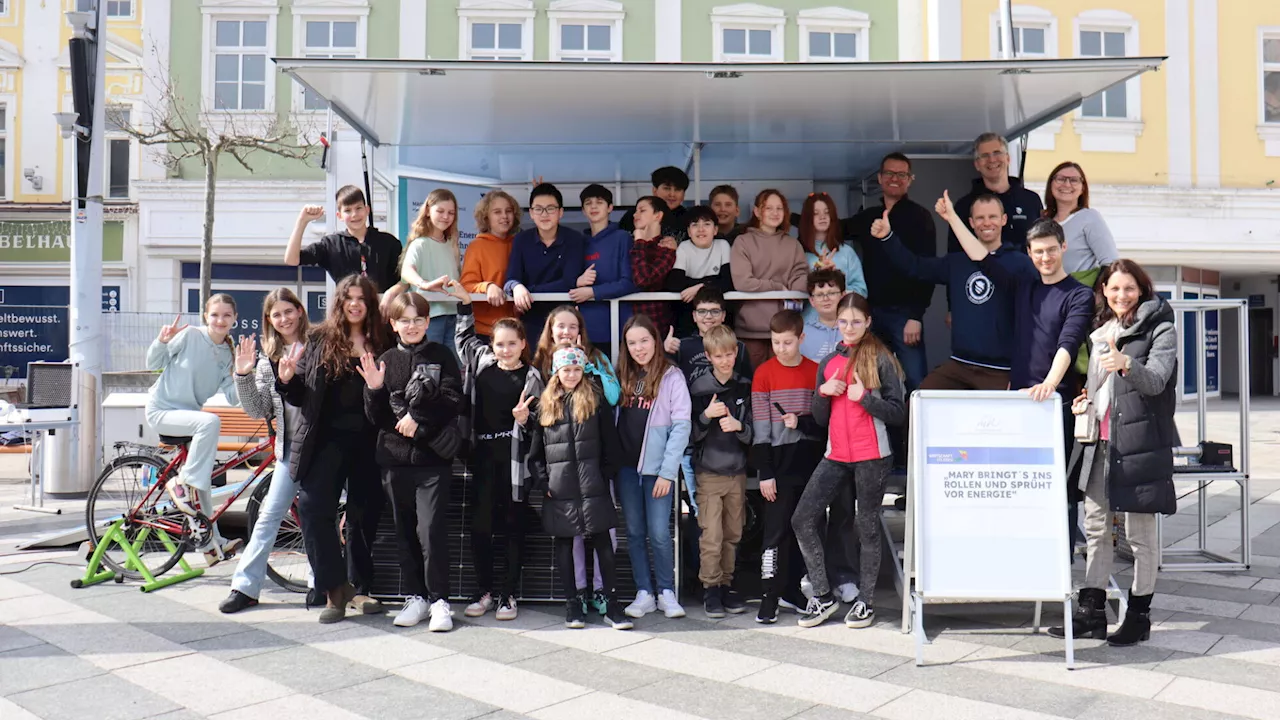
[[888, 323], [648, 528]]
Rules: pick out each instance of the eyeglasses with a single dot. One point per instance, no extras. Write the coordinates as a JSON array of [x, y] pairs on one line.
[[543, 209], [708, 313], [414, 321], [1068, 180], [851, 323], [893, 175], [827, 295], [996, 155]]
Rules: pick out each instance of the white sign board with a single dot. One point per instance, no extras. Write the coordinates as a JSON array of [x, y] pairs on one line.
[[990, 497]]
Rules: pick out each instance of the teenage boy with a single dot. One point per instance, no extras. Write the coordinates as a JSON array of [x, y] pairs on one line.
[[899, 301], [785, 449], [546, 258], [982, 336], [356, 249], [608, 273], [701, 261], [1022, 206], [690, 353], [721, 437], [669, 185], [653, 254], [724, 203], [821, 335]]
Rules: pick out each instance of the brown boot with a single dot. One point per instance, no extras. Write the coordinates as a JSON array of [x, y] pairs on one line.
[[335, 608], [365, 604]]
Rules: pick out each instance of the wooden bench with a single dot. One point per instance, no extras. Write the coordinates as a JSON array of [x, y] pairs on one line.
[[236, 424], [15, 449]]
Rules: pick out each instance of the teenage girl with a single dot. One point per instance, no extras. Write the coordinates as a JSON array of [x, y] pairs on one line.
[[284, 325], [654, 427], [571, 459], [195, 363], [860, 395], [413, 395], [566, 327], [502, 387], [824, 246], [333, 446], [431, 259]]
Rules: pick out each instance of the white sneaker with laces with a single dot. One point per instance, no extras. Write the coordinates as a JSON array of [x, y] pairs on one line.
[[415, 610], [441, 616], [669, 605], [642, 605], [482, 605], [847, 592], [507, 608]]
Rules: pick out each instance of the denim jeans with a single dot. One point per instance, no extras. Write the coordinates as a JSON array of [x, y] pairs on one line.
[[648, 528], [888, 324], [690, 482], [440, 330], [252, 569]]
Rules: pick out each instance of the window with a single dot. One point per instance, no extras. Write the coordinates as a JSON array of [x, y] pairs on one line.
[[1035, 33], [586, 30], [747, 33], [240, 65], [4, 7], [1111, 103], [1109, 121], [120, 8], [327, 38], [496, 29], [4, 147], [833, 34], [119, 149], [1271, 78]]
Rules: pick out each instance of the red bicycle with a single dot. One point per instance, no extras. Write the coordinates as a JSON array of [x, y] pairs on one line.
[[133, 487]]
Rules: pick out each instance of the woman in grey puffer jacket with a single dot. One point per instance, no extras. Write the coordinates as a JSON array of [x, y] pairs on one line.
[[1128, 404], [284, 323]]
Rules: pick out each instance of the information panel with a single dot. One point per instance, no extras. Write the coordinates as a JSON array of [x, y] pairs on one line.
[[990, 497]]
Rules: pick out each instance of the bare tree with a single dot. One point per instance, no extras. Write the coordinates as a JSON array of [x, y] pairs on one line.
[[209, 135]]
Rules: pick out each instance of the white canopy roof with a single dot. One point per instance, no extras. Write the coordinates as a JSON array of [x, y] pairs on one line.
[[752, 121]]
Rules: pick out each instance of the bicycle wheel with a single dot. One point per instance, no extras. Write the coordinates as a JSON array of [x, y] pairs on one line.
[[287, 564], [118, 492]]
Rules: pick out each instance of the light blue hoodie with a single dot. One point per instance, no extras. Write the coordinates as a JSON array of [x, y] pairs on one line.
[[193, 370]]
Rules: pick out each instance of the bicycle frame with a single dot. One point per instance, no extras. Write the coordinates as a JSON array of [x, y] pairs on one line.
[[267, 446]]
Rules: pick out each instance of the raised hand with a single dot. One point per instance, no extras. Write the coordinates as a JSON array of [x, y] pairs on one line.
[[856, 390], [833, 387], [311, 213], [373, 372], [496, 297], [456, 289], [521, 411], [246, 355], [825, 260], [588, 277], [523, 299], [716, 409], [438, 285], [289, 362], [881, 228], [944, 208], [672, 343], [169, 332]]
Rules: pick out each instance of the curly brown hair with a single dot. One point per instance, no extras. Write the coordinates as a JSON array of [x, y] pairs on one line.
[[334, 334]]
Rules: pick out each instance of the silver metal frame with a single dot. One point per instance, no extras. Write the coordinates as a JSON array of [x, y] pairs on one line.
[[1209, 559]]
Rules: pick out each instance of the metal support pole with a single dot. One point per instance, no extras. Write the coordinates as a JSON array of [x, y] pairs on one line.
[[1202, 403], [1006, 29], [697, 171]]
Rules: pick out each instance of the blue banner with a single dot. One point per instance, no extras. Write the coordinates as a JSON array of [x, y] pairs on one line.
[[31, 333], [989, 456]]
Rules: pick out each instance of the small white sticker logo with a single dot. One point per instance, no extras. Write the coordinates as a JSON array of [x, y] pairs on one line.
[[979, 288]]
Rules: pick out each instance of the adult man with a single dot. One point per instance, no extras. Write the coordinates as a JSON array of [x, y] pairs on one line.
[[1022, 206], [982, 329], [356, 249], [546, 258], [669, 184], [899, 300], [724, 203]]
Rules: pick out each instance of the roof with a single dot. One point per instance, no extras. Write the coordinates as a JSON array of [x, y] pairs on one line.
[[574, 121]]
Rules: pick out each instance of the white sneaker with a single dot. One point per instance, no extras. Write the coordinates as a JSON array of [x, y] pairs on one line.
[[806, 587], [668, 604], [441, 616], [507, 608], [482, 605], [847, 592], [415, 610], [642, 605]]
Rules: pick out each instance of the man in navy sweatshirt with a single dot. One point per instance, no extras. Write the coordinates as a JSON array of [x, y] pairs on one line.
[[546, 258], [982, 337], [608, 273]]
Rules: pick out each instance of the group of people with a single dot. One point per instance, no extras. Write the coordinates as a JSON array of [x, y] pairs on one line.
[[811, 401]]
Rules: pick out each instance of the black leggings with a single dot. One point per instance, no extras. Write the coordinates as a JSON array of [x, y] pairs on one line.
[[780, 562], [341, 460], [494, 509], [603, 546]]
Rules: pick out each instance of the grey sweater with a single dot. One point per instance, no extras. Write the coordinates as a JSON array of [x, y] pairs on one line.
[[193, 370], [1089, 241]]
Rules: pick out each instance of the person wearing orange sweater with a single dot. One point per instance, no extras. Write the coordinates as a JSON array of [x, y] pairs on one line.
[[484, 269]]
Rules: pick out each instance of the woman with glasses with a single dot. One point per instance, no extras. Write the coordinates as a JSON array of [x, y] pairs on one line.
[[1089, 242]]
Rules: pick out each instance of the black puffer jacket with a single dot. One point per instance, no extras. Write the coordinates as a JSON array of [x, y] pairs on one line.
[[424, 382], [571, 464], [1143, 434]]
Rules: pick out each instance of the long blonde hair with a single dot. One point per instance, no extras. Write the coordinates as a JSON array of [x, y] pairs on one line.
[[423, 227], [551, 404]]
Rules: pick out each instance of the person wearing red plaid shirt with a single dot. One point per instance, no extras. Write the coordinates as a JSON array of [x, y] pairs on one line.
[[652, 257]]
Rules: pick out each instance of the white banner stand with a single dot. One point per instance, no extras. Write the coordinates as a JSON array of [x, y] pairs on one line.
[[986, 511]]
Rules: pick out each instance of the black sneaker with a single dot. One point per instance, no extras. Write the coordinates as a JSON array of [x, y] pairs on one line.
[[711, 603], [860, 615], [236, 602], [616, 618], [820, 608], [768, 609], [574, 616], [599, 602], [732, 601], [315, 598]]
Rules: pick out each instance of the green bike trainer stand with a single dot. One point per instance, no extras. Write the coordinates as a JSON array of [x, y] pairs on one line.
[[95, 573]]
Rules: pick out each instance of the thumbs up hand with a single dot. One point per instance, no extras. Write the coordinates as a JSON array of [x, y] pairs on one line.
[[855, 390], [880, 229], [944, 208], [588, 278], [716, 408], [672, 344]]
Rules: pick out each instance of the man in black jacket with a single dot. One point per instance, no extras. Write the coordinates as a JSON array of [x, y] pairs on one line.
[[1022, 206]]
